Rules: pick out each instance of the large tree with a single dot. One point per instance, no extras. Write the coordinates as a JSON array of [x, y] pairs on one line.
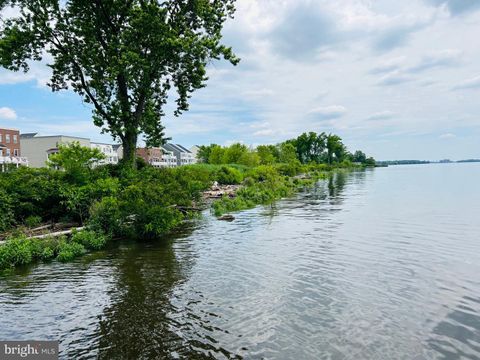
[[125, 57]]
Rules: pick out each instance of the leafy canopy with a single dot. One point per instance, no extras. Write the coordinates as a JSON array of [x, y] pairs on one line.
[[125, 57], [75, 159]]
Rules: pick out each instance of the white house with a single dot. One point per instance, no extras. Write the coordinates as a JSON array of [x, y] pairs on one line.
[[111, 155], [183, 155], [38, 148]]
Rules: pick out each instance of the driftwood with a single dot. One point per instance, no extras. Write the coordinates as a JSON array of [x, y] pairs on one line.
[[57, 233], [48, 226], [219, 191]]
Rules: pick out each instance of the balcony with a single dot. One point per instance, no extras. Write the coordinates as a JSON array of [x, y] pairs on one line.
[[15, 160]]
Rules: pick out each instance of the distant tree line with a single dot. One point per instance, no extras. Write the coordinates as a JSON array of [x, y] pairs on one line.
[[305, 149]]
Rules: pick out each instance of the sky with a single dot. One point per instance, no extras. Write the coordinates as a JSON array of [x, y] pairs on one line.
[[396, 79]]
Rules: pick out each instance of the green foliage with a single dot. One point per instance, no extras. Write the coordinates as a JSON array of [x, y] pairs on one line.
[[335, 149], [234, 153], [35, 192], [310, 147], [268, 154], [106, 216], [78, 199], [15, 252], [67, 251], [75, 159], [287, 154], [19, 250], [359, 157], [264, 185], [216, 155], [91, 240], [204, 152], [228, 176], [7, 214], [33, 221], [370, 161], [123, 57]]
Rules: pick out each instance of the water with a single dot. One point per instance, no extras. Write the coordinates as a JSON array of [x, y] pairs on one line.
[[382, 264]]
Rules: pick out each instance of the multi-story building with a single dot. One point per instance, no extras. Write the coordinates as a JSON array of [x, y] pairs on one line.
[[10, 148], [194, 150], [111, 155], [184, 156], [157, 156], [38, 148]]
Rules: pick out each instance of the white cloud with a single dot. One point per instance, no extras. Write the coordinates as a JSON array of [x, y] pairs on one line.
[[447, 136], [394, 78], [328, 112], [444, 58], [472, 83], [7, 113], [258, 93], [383, 115]]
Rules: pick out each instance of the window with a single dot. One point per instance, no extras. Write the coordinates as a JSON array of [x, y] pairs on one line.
[[15, 152], [8, 151], [15, 139], [1, 138], [7, 138]]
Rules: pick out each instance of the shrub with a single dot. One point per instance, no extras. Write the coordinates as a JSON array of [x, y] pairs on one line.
[[15, 252], [69, 251], [106, 216], [33, 220], [228, 176], [89, 239], [47, 254], [7, 216]]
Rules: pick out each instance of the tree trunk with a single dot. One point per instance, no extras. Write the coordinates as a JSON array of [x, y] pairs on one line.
[[130, 149]]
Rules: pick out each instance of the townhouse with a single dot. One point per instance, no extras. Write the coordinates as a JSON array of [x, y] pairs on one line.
[[157, 156], [109, 150], [183, 155], [10, 149], [38, 148]]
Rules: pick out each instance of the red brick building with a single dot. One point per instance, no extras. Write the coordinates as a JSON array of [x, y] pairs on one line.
[[157, 157], [10, 143]]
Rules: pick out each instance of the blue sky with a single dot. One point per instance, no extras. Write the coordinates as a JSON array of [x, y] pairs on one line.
[[398, 79]]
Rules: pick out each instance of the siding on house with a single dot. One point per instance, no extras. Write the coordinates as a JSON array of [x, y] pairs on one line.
[[111, 155], [183, 155], [38, 148]]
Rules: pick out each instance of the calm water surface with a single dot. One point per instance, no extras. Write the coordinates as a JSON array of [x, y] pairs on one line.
[[381, 264]]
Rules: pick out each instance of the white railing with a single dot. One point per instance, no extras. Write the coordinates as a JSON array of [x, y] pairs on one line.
[[15, 160], [163, 163]]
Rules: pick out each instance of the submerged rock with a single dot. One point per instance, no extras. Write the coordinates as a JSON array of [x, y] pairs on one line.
[[227, 217]]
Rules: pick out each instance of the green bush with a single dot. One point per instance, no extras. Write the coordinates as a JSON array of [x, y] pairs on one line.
[[69, 251], [15, 252], [33, 221], [228, 176], [106, 216], [47, 254], [91, 240], [7, 216]]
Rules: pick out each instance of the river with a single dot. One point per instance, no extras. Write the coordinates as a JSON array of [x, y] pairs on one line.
[[379, 264]]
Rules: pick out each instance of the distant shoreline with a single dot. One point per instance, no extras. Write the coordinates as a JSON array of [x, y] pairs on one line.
[[423, 162]]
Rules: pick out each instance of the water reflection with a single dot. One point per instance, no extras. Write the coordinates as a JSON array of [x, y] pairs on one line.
[[365, 265], [458, 335]]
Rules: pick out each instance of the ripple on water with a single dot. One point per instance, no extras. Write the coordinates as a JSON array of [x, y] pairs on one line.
[[365, 266]]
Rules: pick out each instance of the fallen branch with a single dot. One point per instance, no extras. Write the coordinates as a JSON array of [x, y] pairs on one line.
[[56, 234]]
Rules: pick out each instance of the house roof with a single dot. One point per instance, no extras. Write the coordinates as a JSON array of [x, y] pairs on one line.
[[176, 147], [34, 135], [27, 135]]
